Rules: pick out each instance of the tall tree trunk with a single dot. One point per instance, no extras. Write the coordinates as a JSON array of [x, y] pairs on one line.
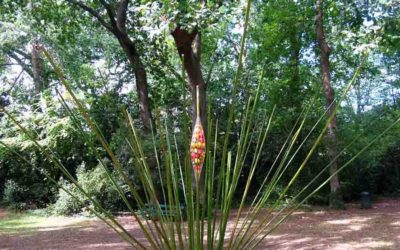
[[294, 57], [294, 82], [189, 48], [336, 199], [141, 79], [38, 73]]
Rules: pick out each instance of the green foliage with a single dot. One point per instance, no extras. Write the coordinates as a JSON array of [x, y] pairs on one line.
[[374, 171], [65, 204], [27, 195], [14, 196], [96, 184], [53, 130]]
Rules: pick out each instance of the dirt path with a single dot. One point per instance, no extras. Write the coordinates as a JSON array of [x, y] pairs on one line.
[[354, 228], [376, 228]]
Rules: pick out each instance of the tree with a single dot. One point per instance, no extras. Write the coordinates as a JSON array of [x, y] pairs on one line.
[[336, 199], [38, 71], [117, 26], [17, 39], [189, 48]]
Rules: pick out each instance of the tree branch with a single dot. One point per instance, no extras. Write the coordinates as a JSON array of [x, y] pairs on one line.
[[110, 13], [14, 83], [7, 64], [21, 63], [320, 28], [22, 53], [93, 13], [121, 15]]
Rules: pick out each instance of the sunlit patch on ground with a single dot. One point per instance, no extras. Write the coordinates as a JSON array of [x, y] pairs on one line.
[[354, 224], [349, 221], [396, 224], [28, 223], [364, 244], [102, 246]]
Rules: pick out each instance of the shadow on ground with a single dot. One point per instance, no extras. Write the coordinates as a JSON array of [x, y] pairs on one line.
[[353, 228]]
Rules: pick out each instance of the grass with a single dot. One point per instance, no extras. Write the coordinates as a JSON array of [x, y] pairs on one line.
[[31, 221], [24, 222]]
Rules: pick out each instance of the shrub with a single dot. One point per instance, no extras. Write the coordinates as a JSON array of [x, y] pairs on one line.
[[56, 132], [95, 182], [65, 204], [14, 195]]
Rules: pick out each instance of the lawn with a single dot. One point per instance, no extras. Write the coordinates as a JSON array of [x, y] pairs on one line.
[[11, 223], [33, 221]]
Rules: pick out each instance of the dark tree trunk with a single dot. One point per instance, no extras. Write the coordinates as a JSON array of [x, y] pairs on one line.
[[189, 48], [143, 94], [39, 80], [141, 79], [294, 57], [336, 199]]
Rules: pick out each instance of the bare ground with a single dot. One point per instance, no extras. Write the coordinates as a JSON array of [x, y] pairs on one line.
[[354, 228]]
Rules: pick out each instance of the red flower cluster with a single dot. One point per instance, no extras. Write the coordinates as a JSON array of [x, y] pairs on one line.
[[198, 148]]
